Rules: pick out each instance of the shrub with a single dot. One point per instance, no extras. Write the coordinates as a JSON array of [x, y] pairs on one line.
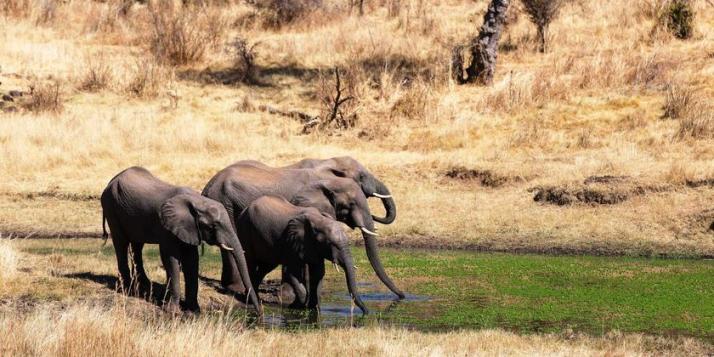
[[97, 76], [244, 60], [45, 97], [680, 19], [147, 78], [183, 36], [542, 13], [678, 102], [277, 13], [698, 125]]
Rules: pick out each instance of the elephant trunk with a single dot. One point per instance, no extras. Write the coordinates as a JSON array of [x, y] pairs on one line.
[[389, 205], [239, 256], [370, 245], [347, 263]]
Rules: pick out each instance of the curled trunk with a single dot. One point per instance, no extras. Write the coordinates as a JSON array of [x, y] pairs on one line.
[[389, 205]]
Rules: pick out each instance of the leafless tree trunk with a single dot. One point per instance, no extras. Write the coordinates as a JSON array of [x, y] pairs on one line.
[[484, 48]]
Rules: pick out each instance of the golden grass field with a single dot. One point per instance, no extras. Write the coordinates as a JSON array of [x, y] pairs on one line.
[[593, 105]]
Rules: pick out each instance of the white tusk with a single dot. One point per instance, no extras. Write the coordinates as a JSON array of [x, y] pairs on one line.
[[226, 247], [368, 231], [381, 196], [336, 267], [354, 266]]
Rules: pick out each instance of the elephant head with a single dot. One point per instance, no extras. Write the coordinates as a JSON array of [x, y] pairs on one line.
[[317, 237], [194, 219], [344, 200], [348, 167]]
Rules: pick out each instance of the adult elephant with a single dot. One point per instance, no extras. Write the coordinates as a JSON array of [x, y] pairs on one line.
[[346, 166], [239, 184], [141, 209], [275, 232]]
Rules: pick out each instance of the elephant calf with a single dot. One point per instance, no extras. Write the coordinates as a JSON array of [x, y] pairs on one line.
[[275, 232], [140, 208]]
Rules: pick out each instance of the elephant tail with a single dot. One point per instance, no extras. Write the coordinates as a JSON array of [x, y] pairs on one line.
[[105, 236]]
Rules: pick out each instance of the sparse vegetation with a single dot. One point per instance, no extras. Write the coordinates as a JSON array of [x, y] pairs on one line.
[[459, 160]]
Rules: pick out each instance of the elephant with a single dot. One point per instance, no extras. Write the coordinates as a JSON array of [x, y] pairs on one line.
[[139, 209], [275, 232], [241, 183], [346, 166]]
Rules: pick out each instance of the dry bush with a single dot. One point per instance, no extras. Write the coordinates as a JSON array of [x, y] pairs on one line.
[[184, 35], [97, 74], [339, 101], [16, 8], [9, 260], [278, 13], [699, 125], [147, 78], [244, 60], [45, 97], [679, 101], [48, 12]]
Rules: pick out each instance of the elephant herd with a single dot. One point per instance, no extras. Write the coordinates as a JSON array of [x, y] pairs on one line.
[[260, 216]]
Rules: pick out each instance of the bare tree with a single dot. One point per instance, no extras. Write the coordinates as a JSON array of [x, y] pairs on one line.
[[483, 48], [541, 13]]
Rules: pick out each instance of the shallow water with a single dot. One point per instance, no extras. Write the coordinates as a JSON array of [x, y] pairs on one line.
[[337, 309]]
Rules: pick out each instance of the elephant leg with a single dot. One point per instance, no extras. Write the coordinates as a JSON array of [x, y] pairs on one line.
[[142, 278], [170, 259], [292, 290], [189, 264], [317, 273], [230, 278], [258, 274], [121, 248]]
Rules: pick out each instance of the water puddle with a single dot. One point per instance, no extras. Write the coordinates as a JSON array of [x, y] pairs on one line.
[[337, 310]]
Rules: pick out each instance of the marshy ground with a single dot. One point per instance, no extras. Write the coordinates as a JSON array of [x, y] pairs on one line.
[[447, 290]]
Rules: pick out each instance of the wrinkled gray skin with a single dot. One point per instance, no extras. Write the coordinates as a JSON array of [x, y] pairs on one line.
[[275, 232], [241, 183], [140, 209], [350, 168]]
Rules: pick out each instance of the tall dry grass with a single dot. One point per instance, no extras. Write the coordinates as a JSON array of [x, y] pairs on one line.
[[82, 330], [592, 105]]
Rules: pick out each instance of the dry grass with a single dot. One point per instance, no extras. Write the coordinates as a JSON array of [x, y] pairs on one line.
[[9, 261], [83, 330], [590, 106]]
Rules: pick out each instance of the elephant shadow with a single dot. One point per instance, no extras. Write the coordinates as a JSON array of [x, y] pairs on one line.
[[156, 296]]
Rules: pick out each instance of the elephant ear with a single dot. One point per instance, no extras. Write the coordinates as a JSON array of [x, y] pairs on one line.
[[298, 232], [179, 215]]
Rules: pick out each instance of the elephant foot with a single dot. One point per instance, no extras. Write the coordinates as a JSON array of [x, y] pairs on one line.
[[191, 308], [172, 308]]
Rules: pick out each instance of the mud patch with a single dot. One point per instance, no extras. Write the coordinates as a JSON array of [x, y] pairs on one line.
[[486, 178], [595, 190]]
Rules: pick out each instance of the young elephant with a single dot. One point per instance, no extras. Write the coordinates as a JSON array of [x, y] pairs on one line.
[[274, 232], [140, 208]]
